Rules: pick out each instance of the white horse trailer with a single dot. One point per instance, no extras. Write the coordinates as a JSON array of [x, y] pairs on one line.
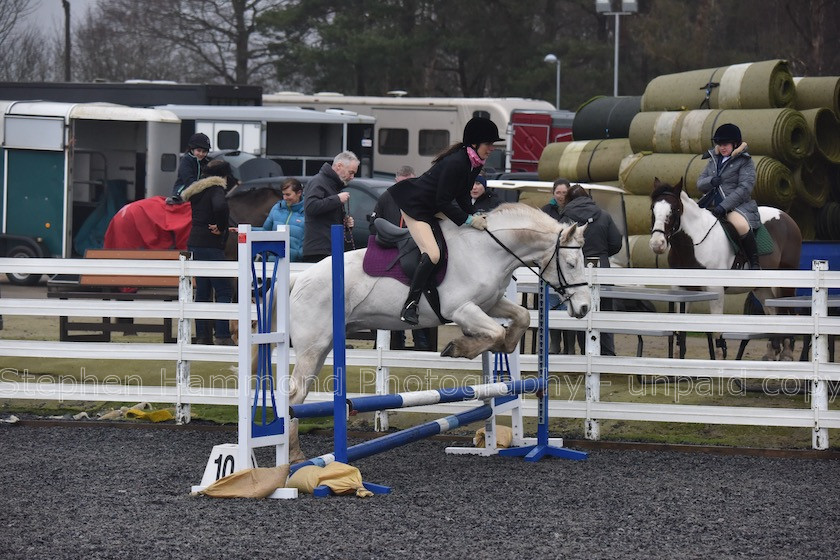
[[412, 130], [60, 161], [300, 140]]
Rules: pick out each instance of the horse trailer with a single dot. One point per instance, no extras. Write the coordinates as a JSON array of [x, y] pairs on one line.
[[300, 140], [63, 164], [412, 130]]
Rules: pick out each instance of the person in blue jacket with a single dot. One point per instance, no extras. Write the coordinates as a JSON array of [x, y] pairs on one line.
[[289, 212]]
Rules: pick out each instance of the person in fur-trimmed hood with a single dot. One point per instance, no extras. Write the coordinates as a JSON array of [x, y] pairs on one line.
[[207, 239], [729, 177]]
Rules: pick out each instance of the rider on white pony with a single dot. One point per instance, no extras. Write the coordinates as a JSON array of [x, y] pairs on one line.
[[445, 188], [727, 183]]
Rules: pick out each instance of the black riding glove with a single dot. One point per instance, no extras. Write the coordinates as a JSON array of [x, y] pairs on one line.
[[715, 181], [718, 212]]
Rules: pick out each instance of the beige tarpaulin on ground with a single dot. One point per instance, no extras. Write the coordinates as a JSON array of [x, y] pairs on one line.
[[504, 437], [249, 483], [339, 477], [773, 181], [751, 85], [818, 91], [780, 133], [586, 161]]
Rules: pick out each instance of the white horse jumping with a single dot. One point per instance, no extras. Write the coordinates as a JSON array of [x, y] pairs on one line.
[[673, 211], [479, 270]]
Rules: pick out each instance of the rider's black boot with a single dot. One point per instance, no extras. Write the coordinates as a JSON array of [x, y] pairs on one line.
[[418, 284], [751, 249]]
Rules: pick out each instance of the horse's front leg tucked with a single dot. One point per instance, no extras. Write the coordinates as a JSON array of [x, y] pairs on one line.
[[481, 333]]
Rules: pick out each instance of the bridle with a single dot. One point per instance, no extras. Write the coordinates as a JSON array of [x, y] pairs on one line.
[[564, 285], [673, 225], [675, 222]]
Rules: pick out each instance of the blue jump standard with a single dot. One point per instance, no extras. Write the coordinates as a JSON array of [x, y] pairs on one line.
[[419, 398]]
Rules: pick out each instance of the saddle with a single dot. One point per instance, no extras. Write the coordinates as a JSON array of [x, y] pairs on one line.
[[394, 245], [762, 239]]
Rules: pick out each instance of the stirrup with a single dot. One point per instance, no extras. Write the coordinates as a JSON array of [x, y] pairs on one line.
[[409, 313]]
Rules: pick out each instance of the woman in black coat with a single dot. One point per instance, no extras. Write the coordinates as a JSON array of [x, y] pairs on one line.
[[444, 188]]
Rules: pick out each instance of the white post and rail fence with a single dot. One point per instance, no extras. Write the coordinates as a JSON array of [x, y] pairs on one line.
[[817, 375]]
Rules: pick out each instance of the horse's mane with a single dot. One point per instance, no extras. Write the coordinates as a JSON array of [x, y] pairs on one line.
[[519, 212]]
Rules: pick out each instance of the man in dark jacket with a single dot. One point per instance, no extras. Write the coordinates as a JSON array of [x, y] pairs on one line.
[[207, 243], [323, 205], [601, 240]]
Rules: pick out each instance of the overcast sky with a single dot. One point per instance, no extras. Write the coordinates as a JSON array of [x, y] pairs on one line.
[[48, 15]]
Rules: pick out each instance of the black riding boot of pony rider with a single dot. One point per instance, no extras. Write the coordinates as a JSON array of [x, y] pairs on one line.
[[751, 249], [418, 284]]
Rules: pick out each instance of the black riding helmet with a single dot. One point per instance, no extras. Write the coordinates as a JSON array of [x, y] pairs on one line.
[[727, 133], [199, 140], [480, 130]]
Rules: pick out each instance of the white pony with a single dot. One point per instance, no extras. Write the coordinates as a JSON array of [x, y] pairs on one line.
[[471, 295]]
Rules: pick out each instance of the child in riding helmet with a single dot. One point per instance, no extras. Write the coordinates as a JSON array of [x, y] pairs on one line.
[[445, 188], [193, 163], [731, 172]]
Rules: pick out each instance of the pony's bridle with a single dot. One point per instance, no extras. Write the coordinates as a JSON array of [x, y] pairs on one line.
[[676, 216], [564, 285]]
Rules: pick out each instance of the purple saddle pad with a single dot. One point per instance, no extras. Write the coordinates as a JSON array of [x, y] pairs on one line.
[[383, 261]]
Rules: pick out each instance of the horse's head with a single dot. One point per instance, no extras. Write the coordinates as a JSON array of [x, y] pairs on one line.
[[567, 273], [666, 210]]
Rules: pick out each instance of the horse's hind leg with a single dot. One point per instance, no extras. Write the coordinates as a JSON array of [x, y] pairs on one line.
[[520, 321], [481, 333]]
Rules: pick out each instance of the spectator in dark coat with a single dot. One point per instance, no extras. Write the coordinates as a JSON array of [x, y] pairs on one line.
[[602, 239], [483, 199], [207, 243], [323, 205]]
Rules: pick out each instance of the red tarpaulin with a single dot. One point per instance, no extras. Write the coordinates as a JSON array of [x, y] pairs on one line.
[[150, 224]]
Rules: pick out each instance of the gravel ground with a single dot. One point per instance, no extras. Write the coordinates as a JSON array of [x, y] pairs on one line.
[[104, 492]]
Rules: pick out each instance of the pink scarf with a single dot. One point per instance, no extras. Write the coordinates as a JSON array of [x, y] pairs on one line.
[[474, 159]]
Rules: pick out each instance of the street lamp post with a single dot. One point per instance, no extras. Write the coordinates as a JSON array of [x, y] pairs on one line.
[[550, 58], [628, 7]]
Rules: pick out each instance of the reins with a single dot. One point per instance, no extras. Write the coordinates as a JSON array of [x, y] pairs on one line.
[[564, 285]]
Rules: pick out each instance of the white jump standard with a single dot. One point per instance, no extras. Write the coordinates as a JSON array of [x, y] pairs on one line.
[[263, 412]]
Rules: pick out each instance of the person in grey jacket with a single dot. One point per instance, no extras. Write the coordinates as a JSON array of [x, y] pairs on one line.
[[730, 173], [601, 240], [323, 205]]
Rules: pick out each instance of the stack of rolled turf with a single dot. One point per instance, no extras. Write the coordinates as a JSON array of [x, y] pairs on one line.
[[790, 125]]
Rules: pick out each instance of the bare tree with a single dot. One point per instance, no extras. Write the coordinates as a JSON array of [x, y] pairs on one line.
[[31, 57], [12, 13], [218, 38], [110, 44]]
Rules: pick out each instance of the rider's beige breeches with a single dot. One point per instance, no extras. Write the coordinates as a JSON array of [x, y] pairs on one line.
[[742, 226], [422, 234]]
